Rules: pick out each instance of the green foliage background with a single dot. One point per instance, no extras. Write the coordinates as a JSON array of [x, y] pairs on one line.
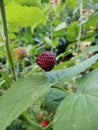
[[70, 89]]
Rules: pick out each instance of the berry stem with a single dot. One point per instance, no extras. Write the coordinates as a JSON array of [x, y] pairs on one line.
[[5, 38]]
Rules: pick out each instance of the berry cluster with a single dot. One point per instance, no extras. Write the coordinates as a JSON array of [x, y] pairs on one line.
[[45, 118]]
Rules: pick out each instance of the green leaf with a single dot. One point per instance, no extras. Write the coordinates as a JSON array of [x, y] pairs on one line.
[[53, 97], [7, 79], [6, 2], [46, 10], [19, 98], [13, 28], [66, 64], [24, 16], [72, 31], [71, 3], [59, 33], [80, 111], [87, 50], [69, 73], [92, 21], [95, 65], [29, 3], [45, 1], [60, 27]]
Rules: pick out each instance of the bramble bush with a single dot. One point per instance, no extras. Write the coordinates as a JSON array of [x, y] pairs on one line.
[[48, 64]]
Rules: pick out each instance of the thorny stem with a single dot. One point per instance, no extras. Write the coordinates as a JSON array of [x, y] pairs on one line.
[[9, 56], [80, 27]]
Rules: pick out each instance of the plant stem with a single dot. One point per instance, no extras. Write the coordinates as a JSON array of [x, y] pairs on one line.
[[80, 27], [9, 56], [51, 25], [51, 36]]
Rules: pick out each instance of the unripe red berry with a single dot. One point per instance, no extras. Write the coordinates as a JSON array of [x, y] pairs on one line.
[[46, 60], [19, 53], [45, 123]]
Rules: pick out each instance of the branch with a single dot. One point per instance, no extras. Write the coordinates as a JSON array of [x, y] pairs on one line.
[[9, 56]]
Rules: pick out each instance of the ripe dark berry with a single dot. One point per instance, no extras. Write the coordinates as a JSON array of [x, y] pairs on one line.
[[44, 123], [46, 60], [19, 53]]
